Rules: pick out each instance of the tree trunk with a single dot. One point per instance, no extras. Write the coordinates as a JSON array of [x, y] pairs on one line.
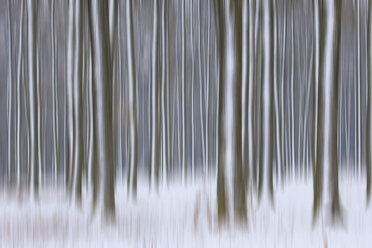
[[221, 189], [102, 104], [132, 100], [240, 209], [369, 105], [32, 41], [327, 161], [78, 103]]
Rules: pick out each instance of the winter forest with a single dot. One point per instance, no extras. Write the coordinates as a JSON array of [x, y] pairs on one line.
[[185, 123]]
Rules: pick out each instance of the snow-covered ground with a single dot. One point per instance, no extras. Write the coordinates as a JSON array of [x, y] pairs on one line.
[[180, 216]]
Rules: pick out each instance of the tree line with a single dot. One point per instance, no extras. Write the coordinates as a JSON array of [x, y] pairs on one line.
[[252, 92]]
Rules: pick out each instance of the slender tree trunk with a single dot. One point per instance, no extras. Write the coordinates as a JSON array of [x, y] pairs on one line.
[[369, 105], [163, 92], [282, 104], [54, 97], [275, 82], [183, 95], [359, 84], [201, 87], [251, 69], [207, 99], [10, 93], [78, 102], [132, 100], [69, 94], [266, 151], [316, 44], [240, 208], [19, 71], [154, 96], [192, 93], [222, 197], [32, 41]]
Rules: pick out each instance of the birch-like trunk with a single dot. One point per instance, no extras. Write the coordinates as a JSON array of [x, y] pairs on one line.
[[32, 40], [78, 102], [183, 95], [102, 104], [369, 104], [10, 93], [327, 160], [132, 101], [19, 71], [154, 100]]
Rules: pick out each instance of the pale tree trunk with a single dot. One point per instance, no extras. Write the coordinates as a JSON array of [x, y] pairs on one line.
[[69, 94], [282, 105], [251, 70], [192, 93], [240, 208], [9, 94], [358, 64], [102, 104], [201, 87], [154, 100], [132, 101], [19, 71], [163, 92], [292, 126], [54, 97], [32, 41], [327, 161], [369, 104], [275, 82], [120, 110], [39, 115], [207, 99], [315, 81], [266, 150], [245, 49], [78, 102], [183, 95]]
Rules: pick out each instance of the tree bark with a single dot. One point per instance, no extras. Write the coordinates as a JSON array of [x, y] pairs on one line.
[[102, 104]]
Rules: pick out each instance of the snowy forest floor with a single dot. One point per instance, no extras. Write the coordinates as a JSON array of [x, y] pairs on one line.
[[181, 216]]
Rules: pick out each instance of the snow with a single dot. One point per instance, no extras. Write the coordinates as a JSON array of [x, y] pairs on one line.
[[185, 216]]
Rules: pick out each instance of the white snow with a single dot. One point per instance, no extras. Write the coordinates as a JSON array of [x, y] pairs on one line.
[[185, 216]]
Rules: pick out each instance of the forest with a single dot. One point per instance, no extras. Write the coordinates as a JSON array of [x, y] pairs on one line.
[[185, 123]]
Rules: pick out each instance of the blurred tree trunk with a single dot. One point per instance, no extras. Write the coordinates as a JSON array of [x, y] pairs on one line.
[[54, 96], [19, 78], [78, 101], [154, 99], [266, 150], [183, 95], [327, 159], [221, 189], [284, 161], [69, 94], [240, 209], [132, 100], [358, 84], [102, 103], [369, 104], [10, 94], [316, 44], [201, 90], [192, 92], [163, 93], [32, 70], [207, 95]]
